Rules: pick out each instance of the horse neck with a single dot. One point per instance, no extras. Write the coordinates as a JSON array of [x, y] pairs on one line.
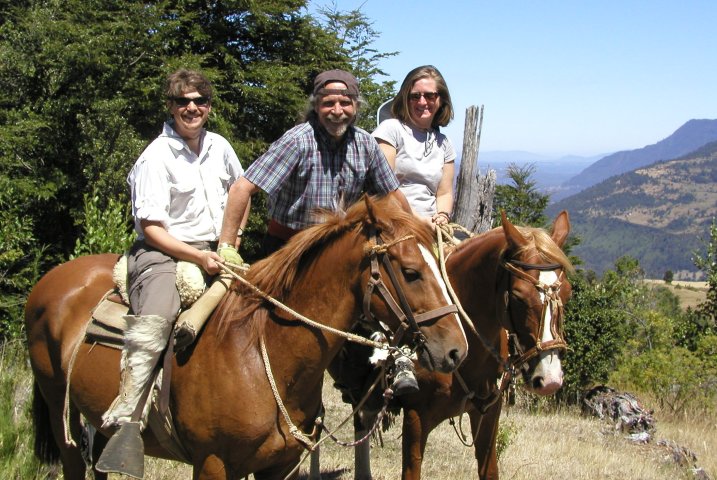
[[326, 292], [476, 275]]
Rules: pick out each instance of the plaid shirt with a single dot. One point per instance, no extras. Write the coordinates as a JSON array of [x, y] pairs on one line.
[[304, 171]]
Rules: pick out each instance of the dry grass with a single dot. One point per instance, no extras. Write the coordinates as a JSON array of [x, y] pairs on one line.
[[690, 294], [551, 446]]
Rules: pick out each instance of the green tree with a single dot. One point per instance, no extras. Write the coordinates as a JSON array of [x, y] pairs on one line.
[[80, 87], [521, 200], [707, 263], [669, 276], [357, 35]]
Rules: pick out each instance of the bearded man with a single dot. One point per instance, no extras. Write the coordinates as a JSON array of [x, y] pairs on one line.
[[325, 162]]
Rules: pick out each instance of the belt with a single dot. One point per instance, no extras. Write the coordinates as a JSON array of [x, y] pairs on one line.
[[276, 229]]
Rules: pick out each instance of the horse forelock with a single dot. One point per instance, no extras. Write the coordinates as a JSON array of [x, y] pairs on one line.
[[542, 243]]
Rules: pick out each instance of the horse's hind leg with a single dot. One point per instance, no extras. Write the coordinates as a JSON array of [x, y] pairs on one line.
[[73, 465]]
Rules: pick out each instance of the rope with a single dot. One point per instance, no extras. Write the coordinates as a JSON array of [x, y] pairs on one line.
[[293, 429], [452, 293], [347, 335], [69, 441]]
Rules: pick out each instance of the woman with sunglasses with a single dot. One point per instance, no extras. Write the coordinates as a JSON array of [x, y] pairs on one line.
[[179, 186], [422, 157]]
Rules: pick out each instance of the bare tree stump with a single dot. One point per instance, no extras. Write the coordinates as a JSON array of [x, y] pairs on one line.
[[474, 193]]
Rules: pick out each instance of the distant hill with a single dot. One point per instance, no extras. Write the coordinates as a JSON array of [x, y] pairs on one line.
[[687, 138], [550, 171], [658, 214]]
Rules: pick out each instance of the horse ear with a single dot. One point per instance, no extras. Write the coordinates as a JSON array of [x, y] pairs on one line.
[[370, 209], [561, 228], [512, 235]]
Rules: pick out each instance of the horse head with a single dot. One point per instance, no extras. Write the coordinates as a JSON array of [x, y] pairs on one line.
[[535, 290], [405, 289]]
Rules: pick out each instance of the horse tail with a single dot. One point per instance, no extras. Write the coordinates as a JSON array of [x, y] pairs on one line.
[[46, 449]]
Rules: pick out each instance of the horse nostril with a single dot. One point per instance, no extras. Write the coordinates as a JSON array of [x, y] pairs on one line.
[[456, 357], [537, 383]]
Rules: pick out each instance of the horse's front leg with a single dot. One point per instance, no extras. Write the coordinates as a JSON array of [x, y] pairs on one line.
[[99, 443], [415, 434], [315, 465], [211, 468], [362, 451], [486, 452]]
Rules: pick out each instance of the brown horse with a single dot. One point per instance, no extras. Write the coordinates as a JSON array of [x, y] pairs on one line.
[[510, 281], [224, 411]]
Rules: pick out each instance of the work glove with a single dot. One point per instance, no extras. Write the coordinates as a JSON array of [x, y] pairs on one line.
[[229, 254]]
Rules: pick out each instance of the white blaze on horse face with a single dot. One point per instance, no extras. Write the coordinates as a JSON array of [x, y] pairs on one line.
[[431, 261], [549, 366]]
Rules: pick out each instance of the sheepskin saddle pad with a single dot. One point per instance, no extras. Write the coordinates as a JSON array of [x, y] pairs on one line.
[[107, 325]]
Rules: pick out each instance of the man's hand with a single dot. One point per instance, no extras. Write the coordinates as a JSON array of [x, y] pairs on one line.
[[229, 254]]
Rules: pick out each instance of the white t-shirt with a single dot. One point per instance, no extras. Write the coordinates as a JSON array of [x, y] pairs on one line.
[[186, 192], [420, 157]]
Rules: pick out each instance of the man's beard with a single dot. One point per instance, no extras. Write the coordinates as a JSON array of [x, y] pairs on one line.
[[337, 127]]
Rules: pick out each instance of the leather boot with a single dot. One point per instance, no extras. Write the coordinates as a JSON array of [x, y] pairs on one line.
[[145, 339]]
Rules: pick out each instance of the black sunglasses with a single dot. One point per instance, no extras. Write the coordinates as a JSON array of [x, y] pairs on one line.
[[430, 96], [198, 101]]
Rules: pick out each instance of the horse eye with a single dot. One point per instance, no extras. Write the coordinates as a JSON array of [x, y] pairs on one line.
[[410, 274]]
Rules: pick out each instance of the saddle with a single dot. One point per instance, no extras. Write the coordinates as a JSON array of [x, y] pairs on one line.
[[107, 324]]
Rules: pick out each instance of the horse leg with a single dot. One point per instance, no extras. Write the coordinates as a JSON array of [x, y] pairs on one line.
[[73, 464], [315, 465], [98, 445], [486, 453], [212, 468], [362, 451], [415, 435]]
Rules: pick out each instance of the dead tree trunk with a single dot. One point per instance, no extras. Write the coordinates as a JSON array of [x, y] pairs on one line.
[[474, 192]]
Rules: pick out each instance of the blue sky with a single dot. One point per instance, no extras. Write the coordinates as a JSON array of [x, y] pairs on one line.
[[558, 77]]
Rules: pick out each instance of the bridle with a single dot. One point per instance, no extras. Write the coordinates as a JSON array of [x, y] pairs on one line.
[[551, 303], [409, 322], [517, 356]]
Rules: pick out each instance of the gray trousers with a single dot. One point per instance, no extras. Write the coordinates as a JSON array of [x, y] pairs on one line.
[[152, 282]]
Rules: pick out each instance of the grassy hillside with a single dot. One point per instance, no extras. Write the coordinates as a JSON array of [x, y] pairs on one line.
[[658, 214]]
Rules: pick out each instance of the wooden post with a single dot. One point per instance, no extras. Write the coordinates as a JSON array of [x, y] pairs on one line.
[[473, 207]]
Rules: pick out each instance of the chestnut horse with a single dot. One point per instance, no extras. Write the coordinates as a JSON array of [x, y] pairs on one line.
[[221, 400], [511, 282]]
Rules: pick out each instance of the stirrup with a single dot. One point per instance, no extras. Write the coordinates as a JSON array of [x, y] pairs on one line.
[[124, 453]]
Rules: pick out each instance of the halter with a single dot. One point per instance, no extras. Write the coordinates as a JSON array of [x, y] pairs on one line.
[[551, 303], [402, 310]]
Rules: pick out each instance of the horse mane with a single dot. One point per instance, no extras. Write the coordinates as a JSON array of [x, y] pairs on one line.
[[277, 274], [538, 239]]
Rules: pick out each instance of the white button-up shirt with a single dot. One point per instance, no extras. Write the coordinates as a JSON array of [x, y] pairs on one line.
[[186, 192]]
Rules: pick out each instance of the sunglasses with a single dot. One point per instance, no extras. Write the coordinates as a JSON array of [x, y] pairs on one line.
[[198, 101], [429, 96]]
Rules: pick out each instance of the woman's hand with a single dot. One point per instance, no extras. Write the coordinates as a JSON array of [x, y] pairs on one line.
[[210, 262], [441, 218]]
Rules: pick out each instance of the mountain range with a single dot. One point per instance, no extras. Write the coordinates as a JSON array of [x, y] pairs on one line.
[[689, 137], [657, 208]]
